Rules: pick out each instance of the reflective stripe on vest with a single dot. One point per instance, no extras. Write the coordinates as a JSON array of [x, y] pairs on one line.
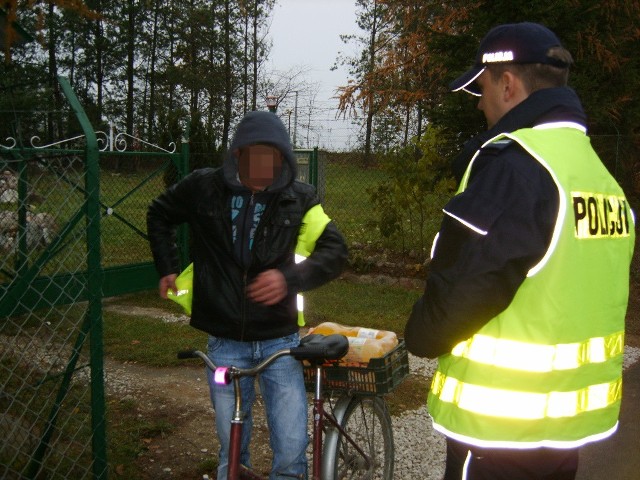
[[524, 405], [531, 357], [313, 224]]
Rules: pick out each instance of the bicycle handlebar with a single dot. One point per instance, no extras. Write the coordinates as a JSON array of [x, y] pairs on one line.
[[197, 354], [312, 347], [187, 354]]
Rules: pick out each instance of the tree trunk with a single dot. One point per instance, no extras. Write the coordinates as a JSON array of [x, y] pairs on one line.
[[245, 64], [151, 114], [131, 45], [228, 83], [151, 77], [254, 58], [99, 45], [53, 121], [370, 98]]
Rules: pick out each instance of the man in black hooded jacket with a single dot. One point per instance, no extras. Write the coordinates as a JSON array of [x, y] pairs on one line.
[[245, 220]]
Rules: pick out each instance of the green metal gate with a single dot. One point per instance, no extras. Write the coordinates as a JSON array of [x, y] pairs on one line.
[[71, 233]]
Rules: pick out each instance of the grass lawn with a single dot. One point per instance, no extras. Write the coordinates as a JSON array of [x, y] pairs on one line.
[[150, 341]]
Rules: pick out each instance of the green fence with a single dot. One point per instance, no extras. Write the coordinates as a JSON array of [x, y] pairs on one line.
[[72, 231]]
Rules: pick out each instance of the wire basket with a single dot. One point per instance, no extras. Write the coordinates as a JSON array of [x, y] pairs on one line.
[[381, 375]]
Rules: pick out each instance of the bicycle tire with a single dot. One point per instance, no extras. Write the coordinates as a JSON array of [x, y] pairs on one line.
[[367, 421]]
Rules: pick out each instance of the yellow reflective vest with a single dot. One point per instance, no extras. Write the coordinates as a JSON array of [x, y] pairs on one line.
[[547, 371], [313, 224]]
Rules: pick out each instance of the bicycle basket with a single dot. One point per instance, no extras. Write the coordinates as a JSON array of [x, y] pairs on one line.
[[381, 375]]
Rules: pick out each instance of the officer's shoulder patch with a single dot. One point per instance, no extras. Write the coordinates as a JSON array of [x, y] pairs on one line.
[[494, 148]]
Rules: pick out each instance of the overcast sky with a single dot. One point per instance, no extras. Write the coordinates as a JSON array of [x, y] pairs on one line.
[[307, 33]]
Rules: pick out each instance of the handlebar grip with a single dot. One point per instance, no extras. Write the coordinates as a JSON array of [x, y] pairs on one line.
[[187, 354], [222, 376]]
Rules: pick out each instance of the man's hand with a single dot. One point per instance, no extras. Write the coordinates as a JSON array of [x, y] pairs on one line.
[[168, 282], [268, 288]]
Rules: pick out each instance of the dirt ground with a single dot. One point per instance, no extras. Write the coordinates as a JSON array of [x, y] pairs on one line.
[[179, 398]]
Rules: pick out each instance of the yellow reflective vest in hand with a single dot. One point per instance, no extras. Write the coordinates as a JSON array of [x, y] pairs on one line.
[[547, 371]]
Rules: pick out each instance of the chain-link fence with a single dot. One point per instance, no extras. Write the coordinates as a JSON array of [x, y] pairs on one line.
[[621, 156], [72, 231], [48, 422], [129, 181], [381, 221]]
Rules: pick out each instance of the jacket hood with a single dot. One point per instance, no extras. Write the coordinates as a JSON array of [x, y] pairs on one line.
[[265, 128]]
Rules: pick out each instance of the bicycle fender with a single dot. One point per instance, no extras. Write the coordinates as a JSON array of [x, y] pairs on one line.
[[330, 445]]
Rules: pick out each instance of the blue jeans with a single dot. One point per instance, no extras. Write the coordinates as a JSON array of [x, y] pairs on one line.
[[285, 399]]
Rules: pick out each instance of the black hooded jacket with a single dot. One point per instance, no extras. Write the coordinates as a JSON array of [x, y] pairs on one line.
[[203, 200], [474, 277]]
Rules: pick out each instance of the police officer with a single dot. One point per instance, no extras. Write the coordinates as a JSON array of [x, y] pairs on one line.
[[527, 291]]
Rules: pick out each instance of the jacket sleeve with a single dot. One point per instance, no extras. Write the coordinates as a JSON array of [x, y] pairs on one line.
[[164, 214], [490, 237]]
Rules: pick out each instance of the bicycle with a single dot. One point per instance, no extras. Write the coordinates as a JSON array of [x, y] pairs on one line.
[[354, 439]]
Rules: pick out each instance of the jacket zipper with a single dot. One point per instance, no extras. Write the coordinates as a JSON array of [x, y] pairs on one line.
[[259, 230], [245, 274], [243, 307]]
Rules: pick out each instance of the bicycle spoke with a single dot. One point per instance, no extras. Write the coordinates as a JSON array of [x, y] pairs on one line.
[[368, 424]]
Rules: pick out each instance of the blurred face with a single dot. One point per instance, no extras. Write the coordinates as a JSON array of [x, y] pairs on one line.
[[492, 100], [258, 166]]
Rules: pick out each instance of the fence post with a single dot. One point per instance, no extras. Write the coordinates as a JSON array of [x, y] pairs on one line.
[[313, 167], [183, 170], [23, 182], [94, 285]]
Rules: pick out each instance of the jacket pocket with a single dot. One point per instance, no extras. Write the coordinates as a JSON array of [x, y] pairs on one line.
[[280, 233]]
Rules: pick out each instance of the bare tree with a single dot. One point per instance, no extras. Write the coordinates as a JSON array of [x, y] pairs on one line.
[[294, 94]]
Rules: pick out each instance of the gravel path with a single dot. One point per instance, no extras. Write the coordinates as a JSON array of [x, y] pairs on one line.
[[419, 450]]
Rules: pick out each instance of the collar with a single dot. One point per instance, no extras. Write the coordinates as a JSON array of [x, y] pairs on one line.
[[542, 106]]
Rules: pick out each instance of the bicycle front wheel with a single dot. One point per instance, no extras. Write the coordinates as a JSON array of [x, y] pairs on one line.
[[368, 423]]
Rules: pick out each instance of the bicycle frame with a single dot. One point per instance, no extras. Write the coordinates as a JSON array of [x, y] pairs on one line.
[[323, 469], [323, 466], [224, 375], [236, 434], [236, 470]]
